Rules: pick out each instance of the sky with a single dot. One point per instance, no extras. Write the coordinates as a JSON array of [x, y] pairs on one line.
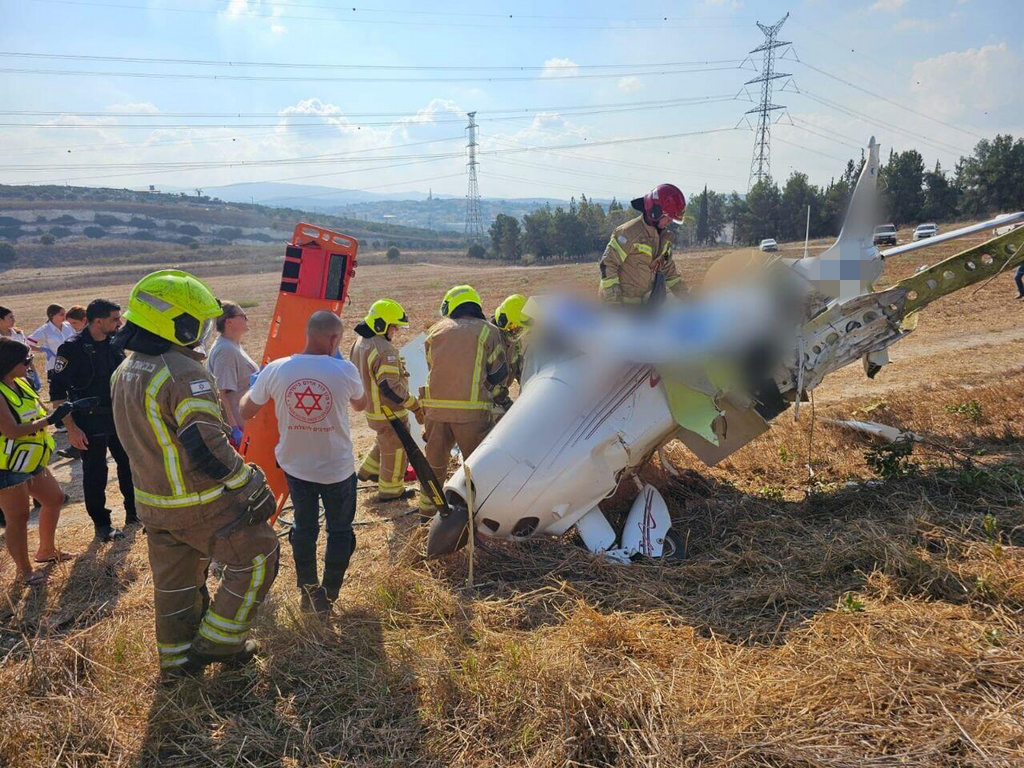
[[600, 98]]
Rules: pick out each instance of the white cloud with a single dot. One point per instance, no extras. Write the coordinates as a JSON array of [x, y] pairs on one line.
[[630, 84], [238, 7], [887, 5], [135, 106], [434, 108], [560, 68], [959, 82]]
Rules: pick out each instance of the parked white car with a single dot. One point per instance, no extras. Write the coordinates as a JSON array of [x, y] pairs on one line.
[[769, 244], [925, 230]]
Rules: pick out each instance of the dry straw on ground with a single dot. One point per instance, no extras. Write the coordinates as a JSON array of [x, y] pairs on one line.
[[863, 625], [840, 620]]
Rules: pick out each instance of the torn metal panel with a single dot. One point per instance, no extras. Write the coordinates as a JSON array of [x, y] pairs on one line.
[[873, 428], [962, 270]]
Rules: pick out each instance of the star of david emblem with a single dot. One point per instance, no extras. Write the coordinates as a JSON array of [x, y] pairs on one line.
[[313, 398]]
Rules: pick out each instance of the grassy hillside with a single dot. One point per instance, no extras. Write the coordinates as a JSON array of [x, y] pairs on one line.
[[29, 213]]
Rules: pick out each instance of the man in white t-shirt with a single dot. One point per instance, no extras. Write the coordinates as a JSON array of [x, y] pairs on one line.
[[311, 392]]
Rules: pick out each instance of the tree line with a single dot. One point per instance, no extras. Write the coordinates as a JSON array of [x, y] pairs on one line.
[[988, 181]]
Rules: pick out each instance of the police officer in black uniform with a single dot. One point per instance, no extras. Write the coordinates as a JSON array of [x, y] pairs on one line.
[[82, 368]]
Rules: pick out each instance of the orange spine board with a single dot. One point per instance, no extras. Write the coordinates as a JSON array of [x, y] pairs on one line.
[[318, 266]]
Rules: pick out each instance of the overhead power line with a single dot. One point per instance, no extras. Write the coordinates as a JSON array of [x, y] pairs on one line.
[[385, 67], [886, 99], [284, 79], [417, 113]]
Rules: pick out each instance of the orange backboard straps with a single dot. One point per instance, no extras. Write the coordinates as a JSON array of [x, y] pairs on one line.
[[319, 264]]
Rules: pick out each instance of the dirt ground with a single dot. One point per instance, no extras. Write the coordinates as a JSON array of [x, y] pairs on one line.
[[746, 655]]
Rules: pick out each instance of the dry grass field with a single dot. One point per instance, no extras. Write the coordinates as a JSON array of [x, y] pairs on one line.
[[835, 620]]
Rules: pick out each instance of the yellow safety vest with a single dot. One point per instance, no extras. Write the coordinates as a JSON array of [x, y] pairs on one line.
[[30, 452]]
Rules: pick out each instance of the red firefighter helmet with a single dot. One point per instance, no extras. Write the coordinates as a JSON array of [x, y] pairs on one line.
[[663, 200]]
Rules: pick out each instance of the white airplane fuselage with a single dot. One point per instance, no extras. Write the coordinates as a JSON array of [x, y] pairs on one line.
[[564, 446]]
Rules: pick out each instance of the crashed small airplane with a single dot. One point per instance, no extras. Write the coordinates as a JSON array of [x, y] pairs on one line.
[[605, 391]]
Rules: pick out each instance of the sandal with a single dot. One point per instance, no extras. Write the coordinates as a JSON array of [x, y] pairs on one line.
[[34, 579], [60, 557]]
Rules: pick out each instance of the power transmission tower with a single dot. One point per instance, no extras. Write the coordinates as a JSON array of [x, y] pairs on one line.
[[474, 227], [761, 164]]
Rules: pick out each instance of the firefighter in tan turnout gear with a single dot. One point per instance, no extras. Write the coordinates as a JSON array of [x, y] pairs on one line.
[[641, 248], [512, 321], [386, 384], [466, 367], [196, 496]]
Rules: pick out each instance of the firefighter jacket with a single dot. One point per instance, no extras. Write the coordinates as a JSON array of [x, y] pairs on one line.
[[636, 252], [83, 368], [29, 452], [382, 370], [466, 367], [513, 343], [170, 422]]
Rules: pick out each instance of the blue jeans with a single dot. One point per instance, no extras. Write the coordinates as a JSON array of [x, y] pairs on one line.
[[339, 510], [1019, 279]]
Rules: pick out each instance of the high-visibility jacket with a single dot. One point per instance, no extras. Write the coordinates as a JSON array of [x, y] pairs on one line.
[[29, 452], [466, 366], [169, 419], [635, 253], [382, 370]]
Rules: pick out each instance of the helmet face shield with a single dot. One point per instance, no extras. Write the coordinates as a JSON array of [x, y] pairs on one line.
[[207, 330]]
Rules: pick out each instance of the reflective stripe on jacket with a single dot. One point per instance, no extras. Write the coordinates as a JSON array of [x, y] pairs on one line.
[[635, 253], [464, 357], [156, 398], [382, 370], [28, 452]]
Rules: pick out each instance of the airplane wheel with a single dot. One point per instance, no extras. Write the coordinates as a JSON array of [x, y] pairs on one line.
[[675, 546]]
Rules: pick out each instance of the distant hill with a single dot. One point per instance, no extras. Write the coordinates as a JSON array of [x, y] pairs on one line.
[[34, 212]]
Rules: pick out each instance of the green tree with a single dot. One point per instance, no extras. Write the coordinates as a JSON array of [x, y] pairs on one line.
[[833, 207], [539, 233], [476, 251], [797, 195], [764, 203], [991, 178], [903, 177], [940, 196], [7, 254], [393, 254], [506, 237], [701, 235]]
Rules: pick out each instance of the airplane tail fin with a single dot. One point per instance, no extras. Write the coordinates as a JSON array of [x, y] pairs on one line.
[[851, 265]]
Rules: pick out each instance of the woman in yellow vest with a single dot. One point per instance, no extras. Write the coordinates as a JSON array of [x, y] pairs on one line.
[[25, 450]]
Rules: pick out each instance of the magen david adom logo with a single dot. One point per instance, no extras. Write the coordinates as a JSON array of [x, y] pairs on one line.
[[308, 400]]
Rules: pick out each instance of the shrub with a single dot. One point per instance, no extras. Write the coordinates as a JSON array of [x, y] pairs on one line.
[[140, 223], [393, 253], [94, 232], [103, 220], [7, 253], [47, 239], [189, 229], [476, 251], [59, 232], [64, 219]]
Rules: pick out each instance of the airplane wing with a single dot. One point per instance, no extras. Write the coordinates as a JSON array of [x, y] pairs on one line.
[[998, 221]]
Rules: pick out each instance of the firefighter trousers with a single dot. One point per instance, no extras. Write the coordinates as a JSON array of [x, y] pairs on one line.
[[441, 436], [387, 460], [185, 617]]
